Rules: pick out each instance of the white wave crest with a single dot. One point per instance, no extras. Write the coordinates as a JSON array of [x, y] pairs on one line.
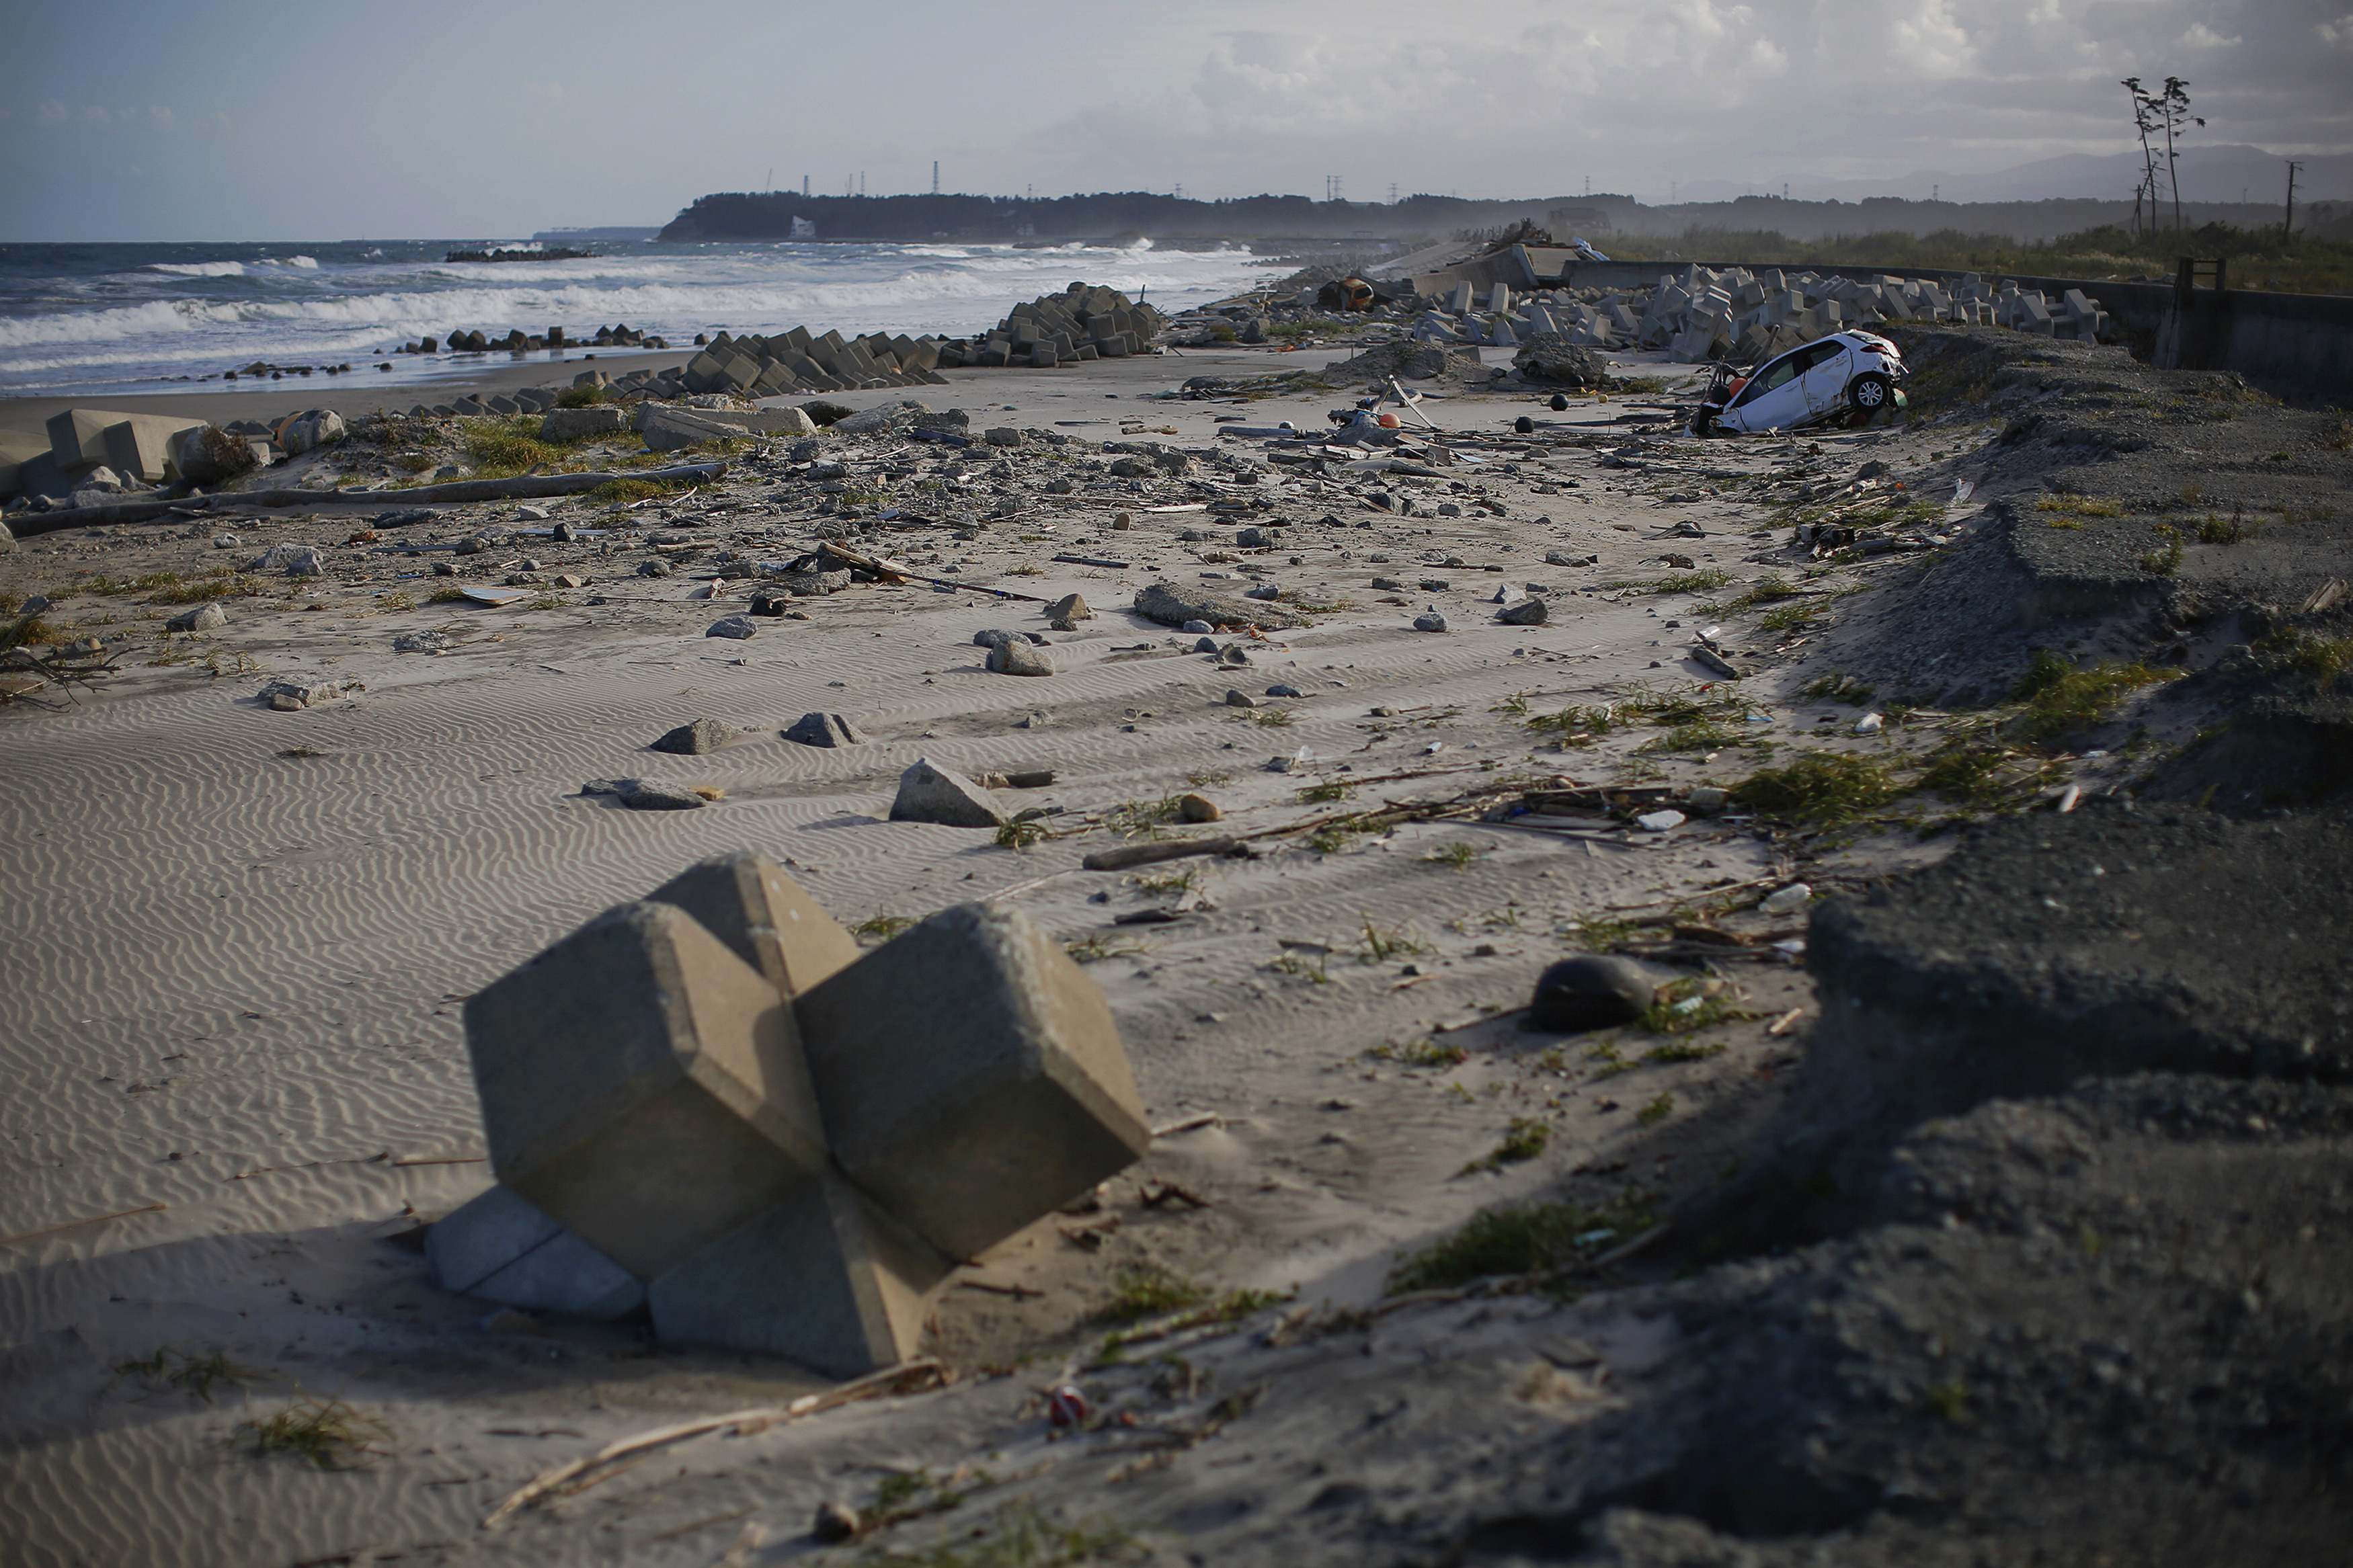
[[199, 268]]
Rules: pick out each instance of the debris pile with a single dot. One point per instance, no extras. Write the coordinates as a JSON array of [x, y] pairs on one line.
[[1080, 324], [1703, 313], [710, 1106]]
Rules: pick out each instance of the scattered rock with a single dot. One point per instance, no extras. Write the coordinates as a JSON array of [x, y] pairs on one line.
[[202, 618], [1431, 621], [209, 456], [1066, 612], [1591, 991], [291, 692], [644, 794], [928, 793], [736, 627], [657, 567], [1281, 690], [695, 739], [1239, 698], [1019, 656], [1552, 358], [1197, 807], [294, 559], [420, 642], [1528, 612], [310, 430], [824, 730], [1172, 605], [836, 1522]]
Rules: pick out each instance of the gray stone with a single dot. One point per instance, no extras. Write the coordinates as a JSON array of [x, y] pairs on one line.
[[928, 793], [649, 794], [206, 455], [972, 1078], [1020, 658], [666, 429], [695, 738], [303, 690], [1235, 698], [1429, 621], [202, 618], [736, 627], [310, 430], [1172, 605], [431, 641], [824, 1277], [824, 730], [503, 1248], [1281, 691], [1066, 612], [1002, 436], [644, 1086], [656, 567], [579, 424], [294, 559], [1527, 612], [866, 422], [1591, 991]]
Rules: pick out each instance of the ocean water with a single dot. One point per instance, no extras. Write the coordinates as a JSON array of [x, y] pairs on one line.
[[118, 319]]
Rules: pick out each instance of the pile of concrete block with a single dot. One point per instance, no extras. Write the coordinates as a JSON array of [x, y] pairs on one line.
[[711, 1107], [516, 341], [1080, 324], [798, 361], [1703, 313], [102, 450]]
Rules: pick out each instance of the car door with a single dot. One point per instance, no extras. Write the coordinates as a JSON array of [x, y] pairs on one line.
[[1775, 396], [1824, 382]]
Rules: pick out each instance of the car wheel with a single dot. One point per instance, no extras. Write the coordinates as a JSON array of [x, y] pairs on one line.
[[1870, 392], [1703, 422]]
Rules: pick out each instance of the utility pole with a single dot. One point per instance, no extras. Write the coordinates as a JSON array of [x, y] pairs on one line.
[[805, 187], [936, 176], [771, 186], [1936, 192], [2287, 224]]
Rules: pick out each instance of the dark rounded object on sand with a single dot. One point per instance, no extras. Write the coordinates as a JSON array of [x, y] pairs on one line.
[[1591, 991], [835, 1523], [1559, 403], [1525, 425]]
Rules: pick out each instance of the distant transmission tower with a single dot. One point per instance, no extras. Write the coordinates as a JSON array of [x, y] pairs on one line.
[[805, 187], [1180, 189], [936, 176], [1392, 193], [862, 181]]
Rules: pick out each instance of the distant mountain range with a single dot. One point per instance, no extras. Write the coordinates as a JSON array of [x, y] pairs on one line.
[[2210, 174]]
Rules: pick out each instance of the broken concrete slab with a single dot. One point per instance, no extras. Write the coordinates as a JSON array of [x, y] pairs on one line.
[[643, 1085], [972, 1077], [929, 794]]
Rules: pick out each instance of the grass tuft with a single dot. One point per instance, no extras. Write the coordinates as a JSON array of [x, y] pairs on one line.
[[1147, 1291], [327, 1433], [1533, 1238], [1820, 789], [2060, 699], [1523, 1140]]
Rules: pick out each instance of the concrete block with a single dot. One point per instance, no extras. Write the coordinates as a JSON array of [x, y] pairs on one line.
[[139, 446], [824, 1277], [575, 424], [643, 1085], [1458, 303], [972, 1077], [748, 902], [1499, 297], [503, 1248], [78, 437], [18, 447]]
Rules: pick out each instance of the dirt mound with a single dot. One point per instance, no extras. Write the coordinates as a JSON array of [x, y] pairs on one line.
[[1408, 362]]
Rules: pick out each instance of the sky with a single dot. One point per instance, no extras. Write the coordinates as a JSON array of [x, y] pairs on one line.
[[238, 120]]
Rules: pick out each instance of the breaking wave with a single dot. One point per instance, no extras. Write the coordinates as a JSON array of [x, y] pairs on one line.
[[81, 325]]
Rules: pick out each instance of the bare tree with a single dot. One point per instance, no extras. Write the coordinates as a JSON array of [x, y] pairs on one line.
[[2144, 112], [2173, 114]]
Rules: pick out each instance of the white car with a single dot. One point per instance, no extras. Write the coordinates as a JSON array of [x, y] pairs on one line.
[[1846, 373]]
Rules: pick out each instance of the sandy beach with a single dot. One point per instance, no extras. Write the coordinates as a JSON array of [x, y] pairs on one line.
[[236, 1079]]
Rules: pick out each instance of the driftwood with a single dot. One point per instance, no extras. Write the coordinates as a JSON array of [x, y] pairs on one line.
[[907, 1378], [1119, 859], [527, 487]]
